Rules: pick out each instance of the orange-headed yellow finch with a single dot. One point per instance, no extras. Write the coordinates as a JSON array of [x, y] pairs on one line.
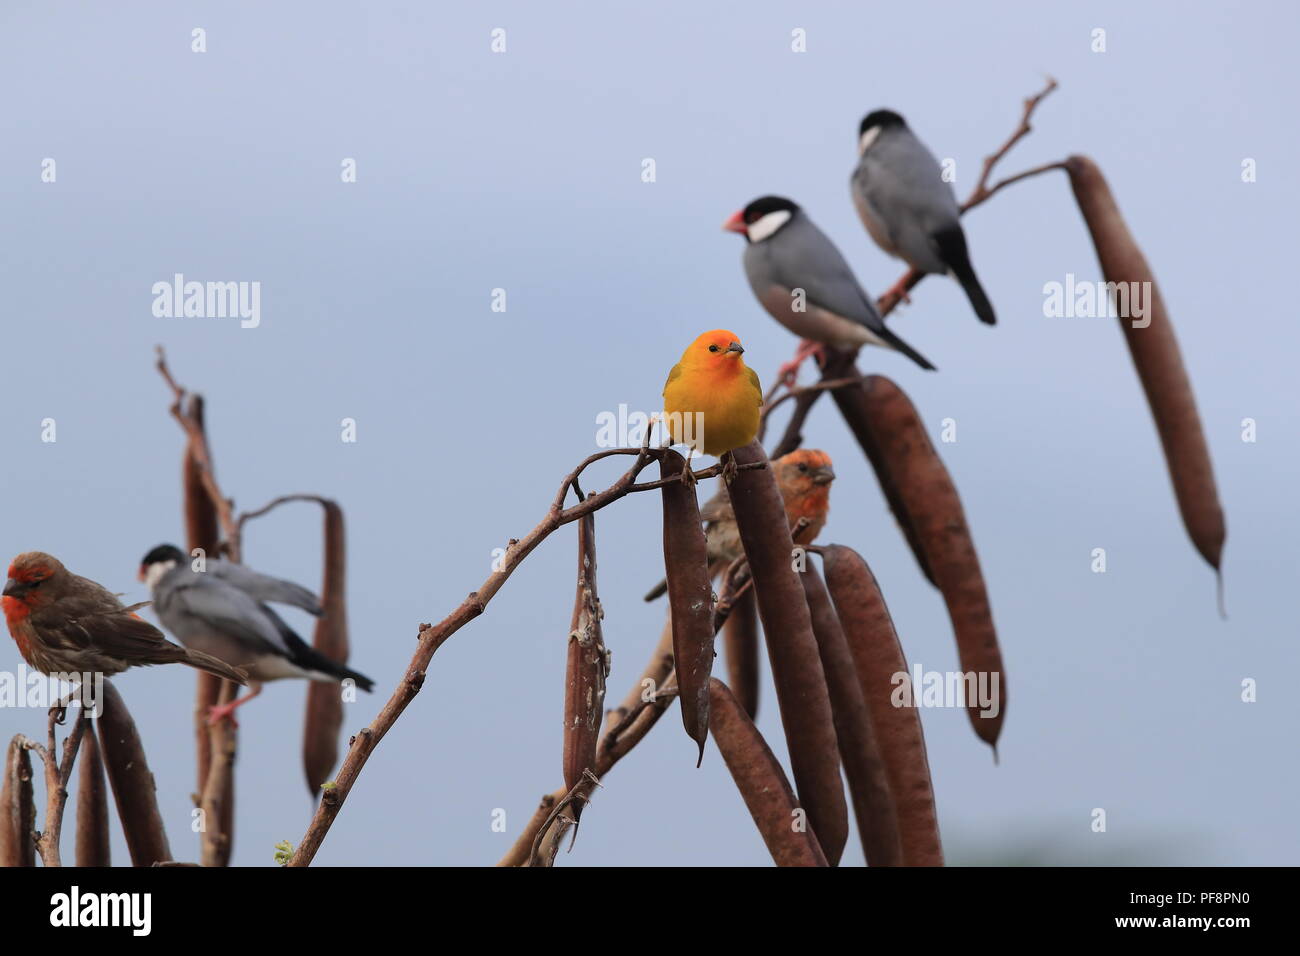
[[804, 477], [712, 399]]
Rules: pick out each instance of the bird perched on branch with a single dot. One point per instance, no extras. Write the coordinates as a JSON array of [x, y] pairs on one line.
[[804, 283], [908, 209], [66, 624], [712, 399], [804, 477], [223, 610]]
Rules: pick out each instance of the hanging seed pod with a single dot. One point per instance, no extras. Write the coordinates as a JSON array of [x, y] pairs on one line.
[[92, 807], [761, 782], [740, 644], [201, 531], [1158, 361], [880, 413], [878, 659], [132, 783], [17, 808], [873, 806], [792, 650], [324, 720], [588, 665], [690, 597]]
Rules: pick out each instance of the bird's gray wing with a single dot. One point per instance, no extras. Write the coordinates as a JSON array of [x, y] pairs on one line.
[[800, 256], [262, 587], [202, 602], [903, 184]]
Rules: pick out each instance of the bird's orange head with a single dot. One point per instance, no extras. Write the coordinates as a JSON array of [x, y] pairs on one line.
[[718, 351], [35, 580], [804, 477]]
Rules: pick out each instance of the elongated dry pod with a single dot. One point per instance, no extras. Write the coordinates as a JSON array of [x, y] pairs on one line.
[[132, 783], [201, 531], [761, 782], [883, 413], [320, 734], [17, 808], [873, 805], [740, 648], [792, 650], [1158, 361], [841, 365], [690, 598], [92, 806], [878, 659], [587, 667]]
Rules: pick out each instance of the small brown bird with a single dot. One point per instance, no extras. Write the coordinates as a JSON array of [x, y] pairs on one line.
[[66, 624], [804, 477]]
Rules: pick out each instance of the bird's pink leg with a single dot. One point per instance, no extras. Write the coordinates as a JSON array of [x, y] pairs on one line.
[[789, 372], [221, 712], [899, 289]]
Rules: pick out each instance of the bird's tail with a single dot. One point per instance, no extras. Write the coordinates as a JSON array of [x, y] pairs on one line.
[[206, 662], [311, 659], [952, 247], [894, 342]]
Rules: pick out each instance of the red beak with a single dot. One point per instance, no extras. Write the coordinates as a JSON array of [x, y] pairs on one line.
[[736, 223]]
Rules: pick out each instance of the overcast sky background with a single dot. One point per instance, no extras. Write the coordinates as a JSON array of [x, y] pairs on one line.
[[522, 171]]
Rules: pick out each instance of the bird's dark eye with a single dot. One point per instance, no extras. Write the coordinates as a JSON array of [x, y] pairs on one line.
[[713, 348], [36, 582], [803, 467]]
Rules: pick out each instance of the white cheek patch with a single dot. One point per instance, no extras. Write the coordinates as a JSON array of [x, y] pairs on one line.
[[869, 137], [764, 227], [154, 573]]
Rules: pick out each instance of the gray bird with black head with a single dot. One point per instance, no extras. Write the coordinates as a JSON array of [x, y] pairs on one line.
[[785, 252], [908, 209], [224, 610]]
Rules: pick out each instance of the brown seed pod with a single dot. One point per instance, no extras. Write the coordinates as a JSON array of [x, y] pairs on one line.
[[92, 807], [588, 665], [132, 783], [873, 806], [17, 808], [761, 782], [841, 365], [881, 413], [740, 644], [201, 531], [1158, 361], [878, 658], [690, 597], [792, 650], [324, 720]]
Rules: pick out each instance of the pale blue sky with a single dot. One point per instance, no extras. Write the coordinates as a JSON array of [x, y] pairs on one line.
[[522, 171]]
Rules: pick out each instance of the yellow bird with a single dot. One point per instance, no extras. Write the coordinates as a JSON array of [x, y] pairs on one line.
[[712, 399]]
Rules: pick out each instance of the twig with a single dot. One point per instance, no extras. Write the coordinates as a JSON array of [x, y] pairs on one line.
[[57, 775], [432, 636], [217, 790]]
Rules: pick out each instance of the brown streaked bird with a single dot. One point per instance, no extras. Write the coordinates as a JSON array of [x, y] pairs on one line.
[[65, 624], [804, 477]]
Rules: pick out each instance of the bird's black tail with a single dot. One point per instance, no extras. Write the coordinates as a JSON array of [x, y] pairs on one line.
[[899, 345], [310, 659], [952, 248]]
